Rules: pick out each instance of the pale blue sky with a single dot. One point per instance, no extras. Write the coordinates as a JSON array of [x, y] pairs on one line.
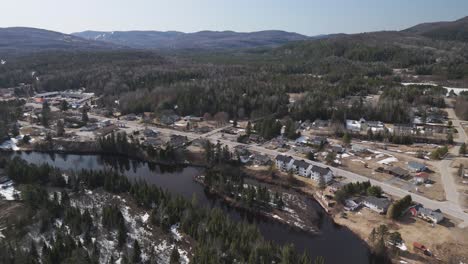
[[310, 17]]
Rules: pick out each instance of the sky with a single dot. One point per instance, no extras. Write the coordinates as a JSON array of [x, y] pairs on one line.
[[309, 17]]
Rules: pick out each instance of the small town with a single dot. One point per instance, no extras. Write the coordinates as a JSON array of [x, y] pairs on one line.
[[206, 132], [427, 176]]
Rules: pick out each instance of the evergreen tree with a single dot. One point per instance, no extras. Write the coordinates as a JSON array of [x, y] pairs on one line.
[[60, 128], [347, 138], [248, 129], [63, 106], [321, 183], [462, 150], [136, 256], [45, 114], [175, 256]]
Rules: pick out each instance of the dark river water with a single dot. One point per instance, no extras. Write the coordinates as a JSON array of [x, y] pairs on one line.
[[335, 243]]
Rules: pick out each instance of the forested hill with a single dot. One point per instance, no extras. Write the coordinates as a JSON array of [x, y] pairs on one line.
[[454, 30], [212, 40], [22, 40]]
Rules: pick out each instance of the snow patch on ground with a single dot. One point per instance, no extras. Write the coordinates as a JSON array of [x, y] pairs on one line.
[[145, 217], [175, 232], [388, 160], [8, 191]]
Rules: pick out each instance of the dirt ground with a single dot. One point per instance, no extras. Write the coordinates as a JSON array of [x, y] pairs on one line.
[[446, 241], [462, 183], [358, 163]]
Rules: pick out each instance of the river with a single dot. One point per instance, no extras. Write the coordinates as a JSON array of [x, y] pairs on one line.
[[335, 243]]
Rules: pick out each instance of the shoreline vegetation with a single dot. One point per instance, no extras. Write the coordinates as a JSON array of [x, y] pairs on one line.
[[166, 210]]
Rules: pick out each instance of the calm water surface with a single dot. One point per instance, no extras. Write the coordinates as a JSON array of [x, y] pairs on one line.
[[336, 244]]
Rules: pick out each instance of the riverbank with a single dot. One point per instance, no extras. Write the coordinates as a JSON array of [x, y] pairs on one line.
[[92, 148], [179, 181], [295, 212]]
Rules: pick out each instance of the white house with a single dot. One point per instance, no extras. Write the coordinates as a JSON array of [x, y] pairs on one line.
[[379, 205], [301, 167], [353, 125], [284, 162], [316, 172]]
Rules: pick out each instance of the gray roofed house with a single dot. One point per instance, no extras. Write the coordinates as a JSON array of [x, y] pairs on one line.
[[148, 132], [416, 166], [259, 159], [319, 140], [177, 141], [317, 171], [338, 149], [283, 162], [379, 205], [397, 171], [434, 216], [300, 167], [358, 148]]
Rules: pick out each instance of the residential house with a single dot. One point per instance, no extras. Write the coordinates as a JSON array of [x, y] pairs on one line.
[[316, 172], [130, 117], [319, 141], [379, 205], [148, 132], [261, 160], [306, 125], [153, 142], [304, 150], [301, 167], [338, 149], [301, 141], [106, 130], [358, 148], [169, 119], [403, 129], [421, 177], [177, 141], [427, 214], [255, 138], [398, 172], [353, 125], [416, 166], [351, 204], [375, 126], [318, 123], [283, 162]]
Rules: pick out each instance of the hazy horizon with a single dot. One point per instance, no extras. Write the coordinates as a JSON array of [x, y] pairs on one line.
[[310, 18]]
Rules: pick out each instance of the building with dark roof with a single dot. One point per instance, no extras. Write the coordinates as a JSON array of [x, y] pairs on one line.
[[300, 167], [317, 171], [284, 162], [379, 205], [416, 166]]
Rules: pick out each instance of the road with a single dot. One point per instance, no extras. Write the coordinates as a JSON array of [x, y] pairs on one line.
[[450, 186], [449, 207]]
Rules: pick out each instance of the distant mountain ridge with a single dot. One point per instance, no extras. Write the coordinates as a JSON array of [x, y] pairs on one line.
[[454, 30], [197, 40], [20, 40]]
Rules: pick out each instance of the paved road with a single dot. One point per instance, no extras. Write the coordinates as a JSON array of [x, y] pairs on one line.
[[450, 186], [447, 207]]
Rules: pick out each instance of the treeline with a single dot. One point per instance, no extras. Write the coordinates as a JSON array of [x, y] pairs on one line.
[[461, 106], [218, 238], [397, 208], [357, 188], [228, 180], [10, 111]]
